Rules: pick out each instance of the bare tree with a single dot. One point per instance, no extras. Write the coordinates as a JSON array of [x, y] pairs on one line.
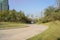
[[58, 3]]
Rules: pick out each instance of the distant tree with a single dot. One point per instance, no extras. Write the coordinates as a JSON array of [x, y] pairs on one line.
[[50, 15], [58, 3], [14, 16]]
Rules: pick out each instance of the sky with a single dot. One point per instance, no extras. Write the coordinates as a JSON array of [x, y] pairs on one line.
[[31, 7]]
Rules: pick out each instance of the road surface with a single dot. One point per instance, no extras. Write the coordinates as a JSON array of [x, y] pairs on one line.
[[22, 33]]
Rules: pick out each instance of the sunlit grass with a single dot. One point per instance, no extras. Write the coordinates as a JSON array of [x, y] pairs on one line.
[[11, 25], [53, 33]]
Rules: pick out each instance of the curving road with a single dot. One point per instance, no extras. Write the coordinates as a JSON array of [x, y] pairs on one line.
[[22, 33]]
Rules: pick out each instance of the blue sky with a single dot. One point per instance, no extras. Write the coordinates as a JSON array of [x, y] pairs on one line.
[[31, 6]]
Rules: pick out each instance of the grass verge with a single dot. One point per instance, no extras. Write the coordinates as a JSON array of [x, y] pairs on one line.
[[6, 25], [53, 33]]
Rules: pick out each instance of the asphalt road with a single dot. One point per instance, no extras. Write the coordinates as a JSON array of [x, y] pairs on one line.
[[22, 33]]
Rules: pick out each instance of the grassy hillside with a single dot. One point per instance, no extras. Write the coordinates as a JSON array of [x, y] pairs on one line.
[[53, 33], [4, 25]]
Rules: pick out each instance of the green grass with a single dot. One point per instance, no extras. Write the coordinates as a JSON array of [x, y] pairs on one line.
[[53, 33], [4, 25]]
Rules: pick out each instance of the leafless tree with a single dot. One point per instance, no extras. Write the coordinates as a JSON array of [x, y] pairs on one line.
[[58, 3]]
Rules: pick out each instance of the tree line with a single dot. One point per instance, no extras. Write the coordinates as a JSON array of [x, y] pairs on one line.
[[14, 16], [50, 14]]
